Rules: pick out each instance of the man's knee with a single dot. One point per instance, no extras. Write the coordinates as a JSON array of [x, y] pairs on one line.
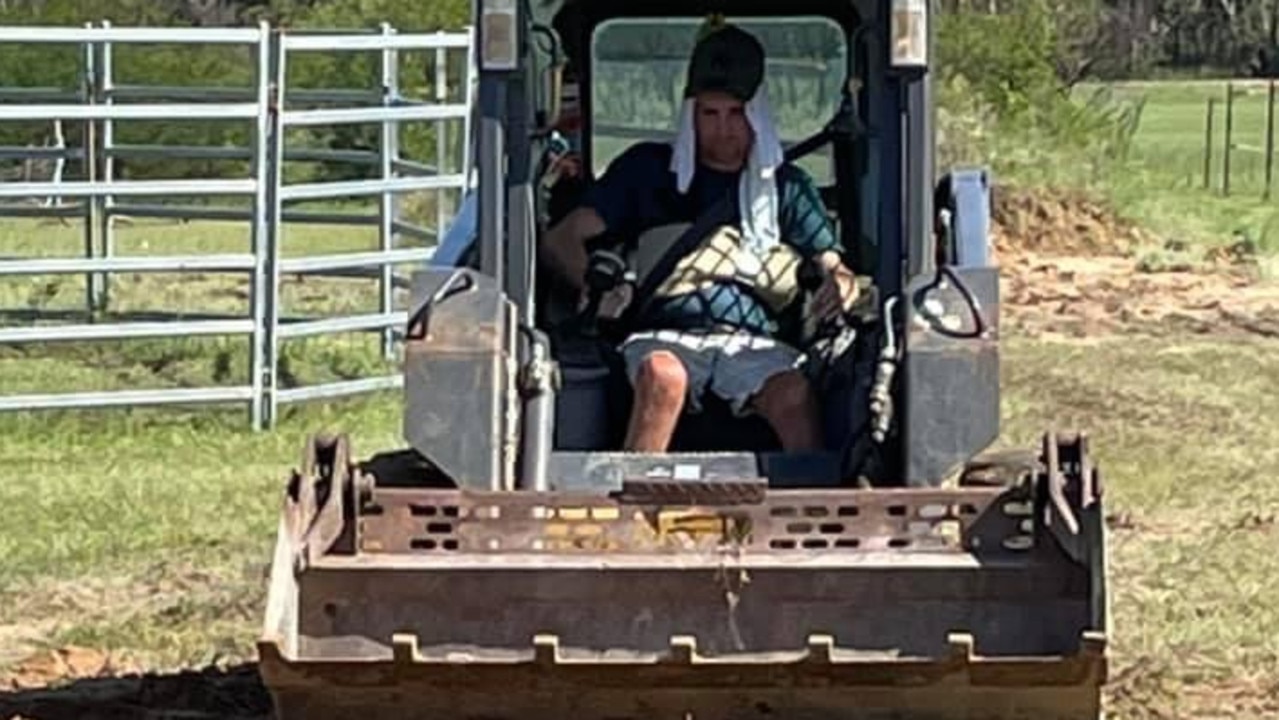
[[787, 396], [789, 403], [661, 378]]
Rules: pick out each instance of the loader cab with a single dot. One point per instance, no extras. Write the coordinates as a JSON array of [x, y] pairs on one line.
[[850, 90], [624, 72]]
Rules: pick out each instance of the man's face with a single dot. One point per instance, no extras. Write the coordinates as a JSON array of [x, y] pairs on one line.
[[723, 133]]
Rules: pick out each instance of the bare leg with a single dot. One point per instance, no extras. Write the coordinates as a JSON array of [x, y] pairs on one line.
[[660, 387], [789, 404]]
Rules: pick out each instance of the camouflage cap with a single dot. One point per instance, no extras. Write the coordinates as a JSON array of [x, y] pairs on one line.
[[726, 59]]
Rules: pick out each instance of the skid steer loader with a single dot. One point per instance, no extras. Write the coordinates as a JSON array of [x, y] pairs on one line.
[[512, 563]]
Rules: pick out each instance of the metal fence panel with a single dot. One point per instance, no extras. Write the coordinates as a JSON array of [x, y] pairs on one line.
[[102, 198]]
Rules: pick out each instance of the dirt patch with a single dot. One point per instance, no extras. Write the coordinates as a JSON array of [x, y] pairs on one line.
[[19, 640], [1085, 297], [1073, 268], [58, 665], [1060, 224], [1258, 698], [1145, 690]]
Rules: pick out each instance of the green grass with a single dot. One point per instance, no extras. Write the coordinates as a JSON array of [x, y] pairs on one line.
[[1161, 182], [217, 361], [1189, 447], [143, 528], [1165, 187], [149, 533]]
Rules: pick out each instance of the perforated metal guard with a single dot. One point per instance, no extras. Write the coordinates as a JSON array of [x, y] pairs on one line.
[[431, 521]]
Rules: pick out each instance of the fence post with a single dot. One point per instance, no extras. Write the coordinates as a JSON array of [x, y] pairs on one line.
[[1212, 111], [275, 226], [1270, 138], [470, 100], [106, 221], [266, 175], [441, 144], [1230, 124], [89, 95], [388, 201]]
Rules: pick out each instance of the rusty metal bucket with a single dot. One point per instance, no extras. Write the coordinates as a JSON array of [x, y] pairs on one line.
[[389, 602]]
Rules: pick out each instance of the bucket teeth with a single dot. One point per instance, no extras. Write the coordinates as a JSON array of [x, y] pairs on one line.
[[546, 649], [1093, 643], [404, 648], [269, 649], [683, 649], [961, 647], [821, 648]]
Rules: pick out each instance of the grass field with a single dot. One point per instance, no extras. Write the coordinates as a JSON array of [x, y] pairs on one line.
[[144, 528], [148, 532], [1161, 182]]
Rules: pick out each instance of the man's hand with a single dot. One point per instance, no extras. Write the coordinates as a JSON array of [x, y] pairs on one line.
[[568, 165], [838, 291], [612, 303], [564, 247]]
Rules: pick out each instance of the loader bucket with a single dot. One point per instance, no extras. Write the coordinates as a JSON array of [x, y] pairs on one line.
[[393, 602]]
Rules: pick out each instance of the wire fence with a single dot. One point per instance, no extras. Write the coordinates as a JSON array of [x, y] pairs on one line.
[[1241, 161], [271, 111]]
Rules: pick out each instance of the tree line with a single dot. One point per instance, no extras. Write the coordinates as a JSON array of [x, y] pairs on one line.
[[1142, 39], [1019, 58], [1108, 39]]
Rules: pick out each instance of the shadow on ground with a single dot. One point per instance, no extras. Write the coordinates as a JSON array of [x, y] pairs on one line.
[[235, 693]]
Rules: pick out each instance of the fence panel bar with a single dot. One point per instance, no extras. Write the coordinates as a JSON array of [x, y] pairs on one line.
[[388, 204], [1229, 139], [100, 195], [266, 179], [1270, 138], [124, 398], [13, 267], [124, 331], [106, 224]]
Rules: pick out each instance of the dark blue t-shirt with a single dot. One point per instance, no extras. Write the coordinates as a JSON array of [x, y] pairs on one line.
[[637, 192]]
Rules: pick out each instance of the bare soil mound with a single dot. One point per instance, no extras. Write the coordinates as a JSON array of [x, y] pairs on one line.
[[1059, 223], [1074, 268]]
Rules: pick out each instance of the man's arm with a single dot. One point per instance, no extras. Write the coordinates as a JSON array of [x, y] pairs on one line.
[[839, 289], [803, 220], [806, 227], [564, 246], [609, 203]]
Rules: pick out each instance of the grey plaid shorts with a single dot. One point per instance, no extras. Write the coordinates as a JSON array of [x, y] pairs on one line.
[[732, 365]]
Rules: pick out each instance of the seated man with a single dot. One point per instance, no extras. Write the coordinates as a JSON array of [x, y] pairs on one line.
[[705, 331]]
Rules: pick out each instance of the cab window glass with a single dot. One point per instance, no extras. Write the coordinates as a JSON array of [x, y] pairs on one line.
[[639, 65]]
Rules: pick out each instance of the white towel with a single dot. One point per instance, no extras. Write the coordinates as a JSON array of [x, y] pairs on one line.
[[757, 190]]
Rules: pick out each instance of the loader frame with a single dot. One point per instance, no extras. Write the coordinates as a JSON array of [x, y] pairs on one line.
[[500, 569], [984, 601]]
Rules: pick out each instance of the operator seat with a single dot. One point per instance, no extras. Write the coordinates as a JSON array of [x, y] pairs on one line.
[[595, 399]]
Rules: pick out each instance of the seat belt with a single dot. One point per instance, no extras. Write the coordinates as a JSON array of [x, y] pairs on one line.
[[715, 215]]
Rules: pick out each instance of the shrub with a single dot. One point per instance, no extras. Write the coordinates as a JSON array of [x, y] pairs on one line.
[[1004, 102]]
